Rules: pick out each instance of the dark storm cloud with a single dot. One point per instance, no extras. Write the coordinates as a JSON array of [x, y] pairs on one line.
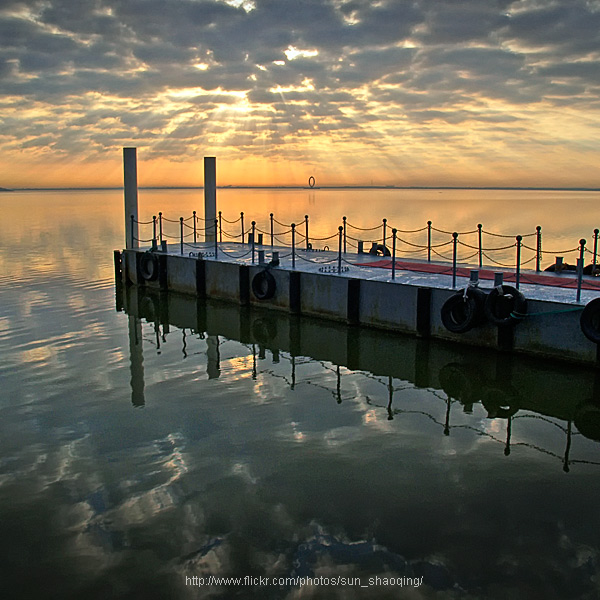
[[460, 21], [374, 23], [83, 17], [584, 71], [476, 60], [371, 65], [570, 27], [310, 61], [21, 36], [6, 68], [357, 41]]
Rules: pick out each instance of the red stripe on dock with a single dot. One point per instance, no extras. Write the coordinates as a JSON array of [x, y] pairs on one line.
[[564, 281]]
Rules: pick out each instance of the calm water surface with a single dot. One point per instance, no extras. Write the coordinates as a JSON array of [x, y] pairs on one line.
[[175, 439]]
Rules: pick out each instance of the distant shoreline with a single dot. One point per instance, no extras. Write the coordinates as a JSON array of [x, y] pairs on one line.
[[321, 187]]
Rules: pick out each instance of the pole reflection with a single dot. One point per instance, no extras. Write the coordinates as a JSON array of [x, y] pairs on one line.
[[136, 361]]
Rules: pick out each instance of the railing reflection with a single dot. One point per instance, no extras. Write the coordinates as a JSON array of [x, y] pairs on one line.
[[509, 390]]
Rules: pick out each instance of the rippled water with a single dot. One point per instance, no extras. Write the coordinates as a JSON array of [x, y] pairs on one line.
[[176, 439]]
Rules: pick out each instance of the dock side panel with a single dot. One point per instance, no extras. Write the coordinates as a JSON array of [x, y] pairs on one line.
[[388, 305], [222, 281], [553, 329], [281, 298], [324, 296], [181, 274]]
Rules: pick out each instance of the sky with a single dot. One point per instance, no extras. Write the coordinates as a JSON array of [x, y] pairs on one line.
[[351, 92]]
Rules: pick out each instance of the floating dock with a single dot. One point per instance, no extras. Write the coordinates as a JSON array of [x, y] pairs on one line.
[[553, 315], [362, 292]]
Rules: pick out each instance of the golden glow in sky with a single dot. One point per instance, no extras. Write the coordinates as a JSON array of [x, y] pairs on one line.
[[394, 92]]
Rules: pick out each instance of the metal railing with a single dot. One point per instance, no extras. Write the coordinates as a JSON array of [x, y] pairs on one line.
[[412, 243]]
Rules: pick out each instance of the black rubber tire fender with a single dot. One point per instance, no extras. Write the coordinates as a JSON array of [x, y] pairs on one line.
[[380, 250], [587, 420], [590, 321], [503, 308], [461, 312], [149, 308], [459, 382], [500, 402], [264, 285], [149, 266], [264, 330]]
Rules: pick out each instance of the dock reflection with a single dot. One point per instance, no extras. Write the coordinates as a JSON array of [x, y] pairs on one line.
[[508, 388]]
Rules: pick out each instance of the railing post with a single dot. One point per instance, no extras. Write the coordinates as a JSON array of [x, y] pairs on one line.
[[580, 265], [306, 221], [394, 231], [454, 248], [596, 232], [216, 223], [272, 235], [293, 245], [132, 232], [384, 232], [153, 230], [181, 233], [194, 219], [345, 238], [160, 226], [479, 226], [538, 254], [340, 232], [253, 236], [428, 241], [519, 239], [220, 227], [582, 243], [242, 220]]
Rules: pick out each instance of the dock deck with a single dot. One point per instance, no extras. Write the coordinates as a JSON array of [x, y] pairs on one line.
[[547, 286]]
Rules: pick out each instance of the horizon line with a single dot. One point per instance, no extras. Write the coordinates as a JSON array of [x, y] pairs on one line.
[[304, 187]]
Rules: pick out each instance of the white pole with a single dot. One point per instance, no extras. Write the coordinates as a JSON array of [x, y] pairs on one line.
[[131, 197], [210, 196]]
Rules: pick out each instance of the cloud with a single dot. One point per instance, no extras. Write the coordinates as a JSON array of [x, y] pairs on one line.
[[275, 71], [462, 21], [567, 28]]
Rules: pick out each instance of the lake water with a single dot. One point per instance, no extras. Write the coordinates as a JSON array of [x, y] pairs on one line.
[[145, 450]]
